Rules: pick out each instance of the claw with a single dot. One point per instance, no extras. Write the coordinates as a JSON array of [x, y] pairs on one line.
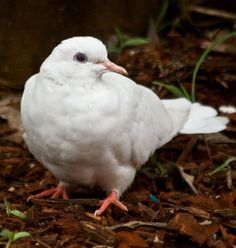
[[111, 199], [59, 191]]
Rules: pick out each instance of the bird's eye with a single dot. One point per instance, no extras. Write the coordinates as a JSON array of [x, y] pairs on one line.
[[80, 57]]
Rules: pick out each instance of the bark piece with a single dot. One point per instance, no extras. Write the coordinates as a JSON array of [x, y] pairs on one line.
[[130, 239], [99, 234], [187, 225]]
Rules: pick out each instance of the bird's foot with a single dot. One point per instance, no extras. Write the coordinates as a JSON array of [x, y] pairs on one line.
[[59, 191], [111, 199]]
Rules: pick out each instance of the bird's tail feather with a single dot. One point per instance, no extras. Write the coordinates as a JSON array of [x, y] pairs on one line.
[[203, 119], [194, 118]]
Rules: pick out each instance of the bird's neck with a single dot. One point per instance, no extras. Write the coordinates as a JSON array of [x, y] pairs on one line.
[[68, 76]]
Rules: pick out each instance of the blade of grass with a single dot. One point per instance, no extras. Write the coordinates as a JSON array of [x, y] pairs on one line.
[[185, 92], [173, 89], [119, 34], [124, 41], [202, 58], [162, 14], [158, 165], [134, 42], [223, 166]]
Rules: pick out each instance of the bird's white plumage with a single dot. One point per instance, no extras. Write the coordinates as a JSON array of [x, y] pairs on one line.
[[91, 127]]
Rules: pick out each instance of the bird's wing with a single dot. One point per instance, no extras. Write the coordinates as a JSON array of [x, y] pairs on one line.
[[157, 122], [143, 123]]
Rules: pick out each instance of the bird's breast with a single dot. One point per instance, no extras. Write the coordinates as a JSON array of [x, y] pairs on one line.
[[65, 122]]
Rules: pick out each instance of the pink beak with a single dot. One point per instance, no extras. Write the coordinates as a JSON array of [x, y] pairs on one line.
[[113, 67]]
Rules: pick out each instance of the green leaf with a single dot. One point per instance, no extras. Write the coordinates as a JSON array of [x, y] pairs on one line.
[[14, 212], [173, 89], [18, 214], [7, 234], [223, 166], [19, 235], [134, 42], [12, 236]]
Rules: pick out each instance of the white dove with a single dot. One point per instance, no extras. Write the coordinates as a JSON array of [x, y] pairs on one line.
[[90, 125]]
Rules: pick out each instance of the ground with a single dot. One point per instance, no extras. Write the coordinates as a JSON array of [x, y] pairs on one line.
[[164, 210]]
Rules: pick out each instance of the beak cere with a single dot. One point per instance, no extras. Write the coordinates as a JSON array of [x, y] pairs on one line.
[[113, 67]]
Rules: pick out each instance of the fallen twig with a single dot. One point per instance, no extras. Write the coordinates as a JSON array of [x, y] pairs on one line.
[[212, 12], [229, 179], [85, 202], [135, 224], [183, 156], [41, 243], [188, 178]]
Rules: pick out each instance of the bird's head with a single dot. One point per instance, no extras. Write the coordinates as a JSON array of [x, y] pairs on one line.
[[81, 56]]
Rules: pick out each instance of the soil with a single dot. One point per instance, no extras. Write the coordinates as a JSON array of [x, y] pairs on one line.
[[164, 210]]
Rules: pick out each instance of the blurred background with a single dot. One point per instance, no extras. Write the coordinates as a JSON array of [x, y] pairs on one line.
[[177, 48], [30, 29]]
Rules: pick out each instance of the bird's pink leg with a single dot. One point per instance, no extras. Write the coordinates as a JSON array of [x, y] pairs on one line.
[[110, 199], [59, 191]]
